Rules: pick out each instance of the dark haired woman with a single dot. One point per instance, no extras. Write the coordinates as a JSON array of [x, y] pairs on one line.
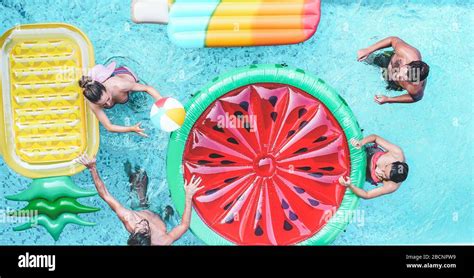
[[106, 86], [385, 164]]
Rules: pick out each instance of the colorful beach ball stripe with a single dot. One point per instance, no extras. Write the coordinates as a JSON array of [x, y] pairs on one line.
[[167, 114]]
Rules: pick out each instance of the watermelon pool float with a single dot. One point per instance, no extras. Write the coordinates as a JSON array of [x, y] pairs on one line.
[[270, 144]]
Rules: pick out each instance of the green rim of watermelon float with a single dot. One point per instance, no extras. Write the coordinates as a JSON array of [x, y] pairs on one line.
[[270, 143]]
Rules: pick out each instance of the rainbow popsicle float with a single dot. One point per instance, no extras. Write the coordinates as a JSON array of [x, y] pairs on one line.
[[230, 23]]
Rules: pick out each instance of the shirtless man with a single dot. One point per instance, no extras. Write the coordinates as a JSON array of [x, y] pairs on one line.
[[145, 227], [403, 69], [385, 164]]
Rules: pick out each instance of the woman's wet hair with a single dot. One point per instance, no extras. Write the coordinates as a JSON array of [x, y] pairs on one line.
[[398, 172], [92, 90], [418, 71], [139, 239]]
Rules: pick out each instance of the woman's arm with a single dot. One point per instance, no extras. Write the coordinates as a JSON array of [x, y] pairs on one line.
[[392, 148], [359, 144], [148, 89], [386, 189], [104, 120], [372, 193], [129, 86], [368, 139]]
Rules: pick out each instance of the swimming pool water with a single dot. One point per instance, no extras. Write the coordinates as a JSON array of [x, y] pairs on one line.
[[435, 204]]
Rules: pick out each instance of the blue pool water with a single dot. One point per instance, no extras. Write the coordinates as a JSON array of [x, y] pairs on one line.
[[435, 204]]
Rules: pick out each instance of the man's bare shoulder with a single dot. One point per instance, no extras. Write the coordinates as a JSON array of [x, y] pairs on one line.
[[416, 90], [407, 51]]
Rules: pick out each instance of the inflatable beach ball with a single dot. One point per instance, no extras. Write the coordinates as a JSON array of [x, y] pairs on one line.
[[167, 114]]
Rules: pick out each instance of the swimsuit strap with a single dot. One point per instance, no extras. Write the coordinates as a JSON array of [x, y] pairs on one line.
[[125, 70]]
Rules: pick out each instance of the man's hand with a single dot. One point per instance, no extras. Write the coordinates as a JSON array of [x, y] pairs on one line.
[[138, 130], [381, 99], [192, 186], [363, 54], [356, 143], [345, 181], [86, 161]]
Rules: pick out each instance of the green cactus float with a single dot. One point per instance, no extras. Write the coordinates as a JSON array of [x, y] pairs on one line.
[[56, 208], [52, 203]]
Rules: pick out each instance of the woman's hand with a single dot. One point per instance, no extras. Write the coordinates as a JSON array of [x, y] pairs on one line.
[[192, 186], [356, 143], [86, 161], [138, 130], [363, 54], [345, 181]]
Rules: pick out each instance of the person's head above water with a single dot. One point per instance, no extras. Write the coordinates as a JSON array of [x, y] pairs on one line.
[[95, 92], [415, 71], [396, 172], [141, 236]]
